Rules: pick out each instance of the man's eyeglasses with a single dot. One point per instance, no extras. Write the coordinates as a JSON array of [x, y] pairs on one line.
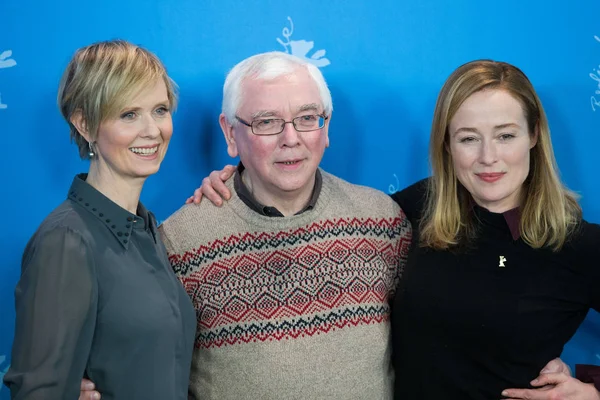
[[274, 126]]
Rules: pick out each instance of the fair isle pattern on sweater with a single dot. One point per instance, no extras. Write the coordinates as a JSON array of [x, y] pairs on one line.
[[291, 307], [290, 284]]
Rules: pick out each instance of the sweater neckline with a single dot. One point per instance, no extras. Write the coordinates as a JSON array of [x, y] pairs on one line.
[[289, 222]]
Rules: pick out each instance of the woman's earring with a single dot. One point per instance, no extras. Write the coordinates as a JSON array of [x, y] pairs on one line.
[[91, 152]]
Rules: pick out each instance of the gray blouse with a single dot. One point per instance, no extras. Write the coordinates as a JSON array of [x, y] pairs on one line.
[[98, 298]]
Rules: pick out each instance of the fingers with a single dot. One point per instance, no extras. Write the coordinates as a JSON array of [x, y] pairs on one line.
[[209, 192], [553, 366], [86, 384], [213, 187], [527, 394], [87, 390], [197, 197], [557, 386], [216, 182], [89, 395], [516, 394], [550, 379], [228, 172], [556, 365]]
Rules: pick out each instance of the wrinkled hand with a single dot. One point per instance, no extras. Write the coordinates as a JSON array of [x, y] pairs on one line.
[[554, 386], [213, 187], [87, 391]]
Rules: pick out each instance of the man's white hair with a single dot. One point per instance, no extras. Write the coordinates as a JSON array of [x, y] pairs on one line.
[[268, 66]]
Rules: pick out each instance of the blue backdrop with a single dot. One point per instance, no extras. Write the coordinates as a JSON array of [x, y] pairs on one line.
[[385, 62]]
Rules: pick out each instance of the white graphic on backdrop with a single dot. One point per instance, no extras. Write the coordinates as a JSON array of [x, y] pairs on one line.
[[301, 48], [393, 188], [6, 62], [3, 371], [596, 77]]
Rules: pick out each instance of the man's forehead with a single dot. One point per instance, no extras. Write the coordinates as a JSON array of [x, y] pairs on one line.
[[280, 95], [300, 77], [270, 112]]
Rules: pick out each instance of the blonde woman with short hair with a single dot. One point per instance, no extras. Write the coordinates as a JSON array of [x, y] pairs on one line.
[[97, 296]]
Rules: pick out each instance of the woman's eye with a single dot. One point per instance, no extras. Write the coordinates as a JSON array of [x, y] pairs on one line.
[[162, 111], [506, 136], [128, 115]]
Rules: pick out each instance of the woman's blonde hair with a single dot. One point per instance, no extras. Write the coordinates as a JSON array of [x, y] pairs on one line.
[[549, 211], [102, 78]]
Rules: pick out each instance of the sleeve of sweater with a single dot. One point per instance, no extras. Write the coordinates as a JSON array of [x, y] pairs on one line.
[[167, 236]]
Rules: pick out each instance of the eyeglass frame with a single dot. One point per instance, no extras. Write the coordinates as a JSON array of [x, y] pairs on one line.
[[325, 118]]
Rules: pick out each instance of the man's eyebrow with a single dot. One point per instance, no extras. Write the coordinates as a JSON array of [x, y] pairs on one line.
[[309, 107], [263, 114], [272, 113]]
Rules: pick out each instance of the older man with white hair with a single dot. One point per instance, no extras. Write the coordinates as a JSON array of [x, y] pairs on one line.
[[291, 278]]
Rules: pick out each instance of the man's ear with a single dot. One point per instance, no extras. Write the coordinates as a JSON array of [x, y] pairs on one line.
[[227, 129], [80, 124], [326, 130]]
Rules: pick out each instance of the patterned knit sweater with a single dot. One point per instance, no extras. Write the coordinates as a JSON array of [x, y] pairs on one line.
[[293, 307]]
